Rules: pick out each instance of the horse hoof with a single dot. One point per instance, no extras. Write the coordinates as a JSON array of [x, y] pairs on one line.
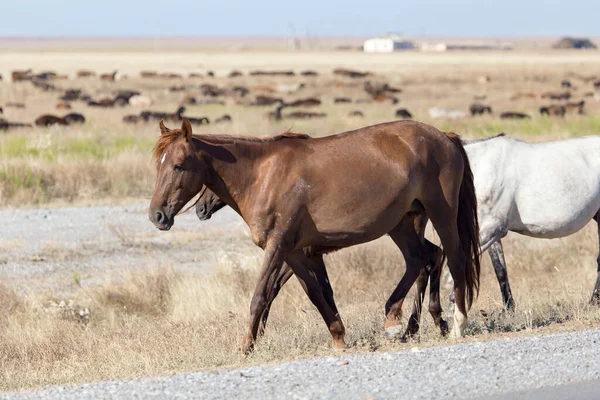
[[392, 332], [444, 328]]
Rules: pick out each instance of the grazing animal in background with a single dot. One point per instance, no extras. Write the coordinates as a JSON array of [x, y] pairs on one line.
[[63, 106], [382, 97], [553, 110], [210, 74], [5, 125], [350, 73], [262, 100], [49, 120], [278, 116], [556, 95], [272, 73], [579, 107], [84, 73], [378, 88], [71, 95], [403, 113], [308, 102], [342, 100], [479, 109], [198, 121], [224, 118], [170, 75], [356, 113], [131, 119], [103, 103], [514, 115], [520, 96], [21, 75], [45, 86], [566, 84], [109, 77], [74, 118], [158, 116], [293, 202], [240, 91]]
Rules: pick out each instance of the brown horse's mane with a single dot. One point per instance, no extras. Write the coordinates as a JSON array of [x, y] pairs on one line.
[[170, 136]]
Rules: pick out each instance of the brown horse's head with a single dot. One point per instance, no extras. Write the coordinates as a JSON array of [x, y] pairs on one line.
[[208, 204], [179, 174]]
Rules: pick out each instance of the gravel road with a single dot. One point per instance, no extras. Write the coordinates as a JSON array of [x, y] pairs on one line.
[[501, 369], [45, 246]]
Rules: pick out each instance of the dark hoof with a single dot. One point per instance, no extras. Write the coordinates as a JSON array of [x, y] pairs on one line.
[[409, 337], [510, 305], [444, 328]]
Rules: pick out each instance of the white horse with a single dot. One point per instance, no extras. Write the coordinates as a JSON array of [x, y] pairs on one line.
[[545, 190]]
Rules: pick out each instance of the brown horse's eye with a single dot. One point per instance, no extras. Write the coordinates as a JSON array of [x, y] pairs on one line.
[[178, 167]]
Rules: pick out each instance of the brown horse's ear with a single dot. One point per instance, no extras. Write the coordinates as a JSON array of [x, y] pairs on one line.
[[163, 129], [186, 127]]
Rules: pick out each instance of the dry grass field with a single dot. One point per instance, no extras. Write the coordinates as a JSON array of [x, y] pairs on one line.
[[163, 320]]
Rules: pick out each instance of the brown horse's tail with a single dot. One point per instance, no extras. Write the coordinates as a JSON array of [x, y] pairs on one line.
[[468, 225]]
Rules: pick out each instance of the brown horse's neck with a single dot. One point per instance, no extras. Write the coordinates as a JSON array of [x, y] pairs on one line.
[[231, 166]]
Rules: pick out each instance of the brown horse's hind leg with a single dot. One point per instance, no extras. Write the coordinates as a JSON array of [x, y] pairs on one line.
[[414, 321], [444, 222], [323, 278], [431, 272], [305, 271], [435, 306], [409, 237]]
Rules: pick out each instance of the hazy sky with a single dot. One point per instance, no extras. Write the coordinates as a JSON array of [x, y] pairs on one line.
[[317, 17]]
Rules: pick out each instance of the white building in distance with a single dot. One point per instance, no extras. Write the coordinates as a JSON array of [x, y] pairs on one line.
[[387, 44]]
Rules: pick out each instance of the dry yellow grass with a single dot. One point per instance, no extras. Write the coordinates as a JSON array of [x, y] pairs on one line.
[[161, 321]]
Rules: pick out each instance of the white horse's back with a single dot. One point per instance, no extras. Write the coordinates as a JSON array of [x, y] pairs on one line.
[[544, 190]]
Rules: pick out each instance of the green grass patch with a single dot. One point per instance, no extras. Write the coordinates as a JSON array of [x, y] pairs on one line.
[[98, 148]]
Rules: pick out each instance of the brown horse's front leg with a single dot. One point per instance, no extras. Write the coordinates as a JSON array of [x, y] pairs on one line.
[[284, 275], [272, 264]]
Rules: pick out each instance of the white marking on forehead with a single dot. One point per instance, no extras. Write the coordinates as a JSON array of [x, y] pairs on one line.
[[162, 160]]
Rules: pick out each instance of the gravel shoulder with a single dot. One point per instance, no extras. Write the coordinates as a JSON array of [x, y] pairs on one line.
[[502, 369]]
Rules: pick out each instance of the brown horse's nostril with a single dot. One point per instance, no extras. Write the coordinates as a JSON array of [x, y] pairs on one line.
[[202, 210], [160, 217]]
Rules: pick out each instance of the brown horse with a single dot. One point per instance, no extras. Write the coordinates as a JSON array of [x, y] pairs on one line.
[[296, 194], [209, 203]]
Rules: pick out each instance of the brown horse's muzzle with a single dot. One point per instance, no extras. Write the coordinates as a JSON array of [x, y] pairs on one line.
[[162, 219]]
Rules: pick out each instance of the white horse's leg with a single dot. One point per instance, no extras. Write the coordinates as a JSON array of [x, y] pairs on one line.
[[497, 255], [596, 293]]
